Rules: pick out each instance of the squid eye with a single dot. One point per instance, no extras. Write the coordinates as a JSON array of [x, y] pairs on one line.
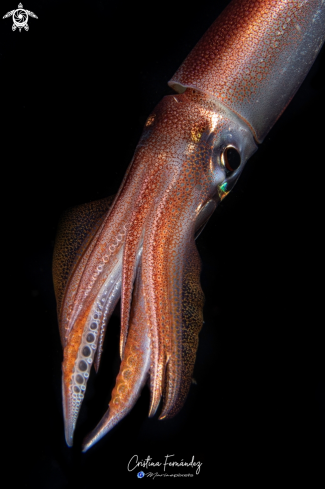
[[231, 159]]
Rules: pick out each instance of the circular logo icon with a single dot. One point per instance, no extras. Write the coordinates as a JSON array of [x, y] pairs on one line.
[[140, 475], [20, 18]]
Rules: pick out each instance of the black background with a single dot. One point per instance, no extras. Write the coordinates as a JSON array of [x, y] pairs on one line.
[[75, 92]]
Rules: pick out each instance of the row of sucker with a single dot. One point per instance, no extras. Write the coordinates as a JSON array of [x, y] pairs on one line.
[[109, 308], [110, 252], [132, 243], [92, 339], [134, 368], [85, 358]]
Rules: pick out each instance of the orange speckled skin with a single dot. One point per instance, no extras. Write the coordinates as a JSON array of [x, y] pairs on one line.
[[176, 171], [255, 56], [142, 248], [136, 359]]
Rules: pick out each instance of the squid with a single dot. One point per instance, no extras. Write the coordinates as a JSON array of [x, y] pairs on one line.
[[139, 245]]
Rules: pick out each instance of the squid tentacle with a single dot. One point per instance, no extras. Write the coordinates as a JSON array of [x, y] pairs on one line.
[[134, 369]]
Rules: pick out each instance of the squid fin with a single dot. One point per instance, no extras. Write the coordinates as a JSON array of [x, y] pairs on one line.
[[192, 322], [77, 227]]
